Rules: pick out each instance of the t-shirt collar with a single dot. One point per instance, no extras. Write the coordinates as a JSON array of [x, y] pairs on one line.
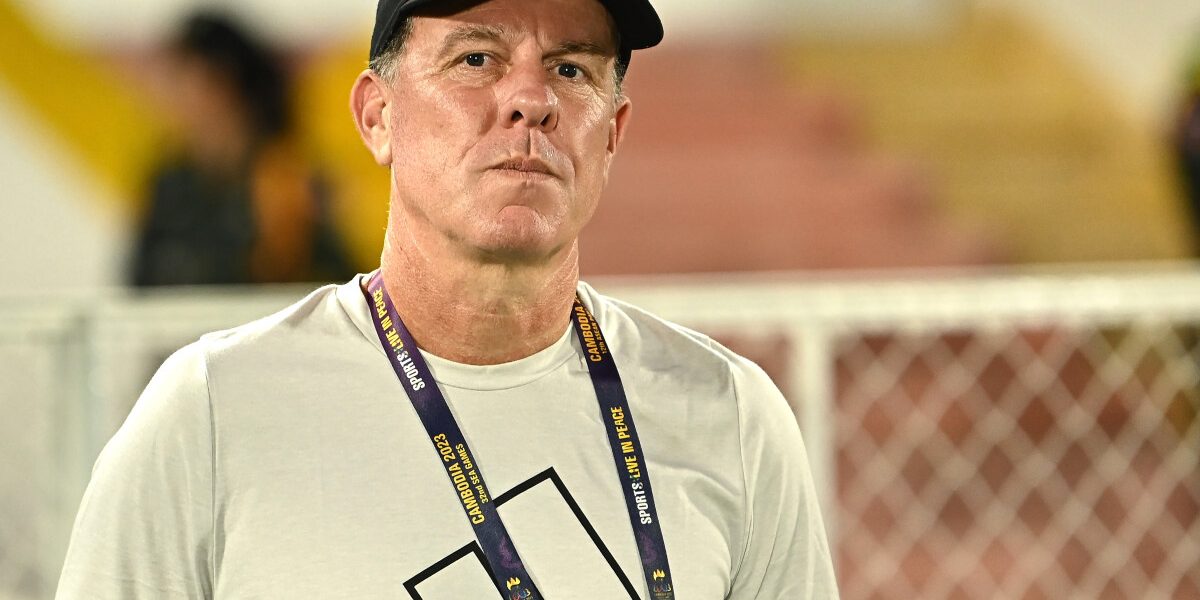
[[459, 375]]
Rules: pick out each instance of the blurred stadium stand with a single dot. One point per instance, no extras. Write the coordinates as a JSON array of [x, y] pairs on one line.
[[983, 136]]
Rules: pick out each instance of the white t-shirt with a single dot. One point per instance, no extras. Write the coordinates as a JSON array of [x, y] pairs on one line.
[[282, 459]]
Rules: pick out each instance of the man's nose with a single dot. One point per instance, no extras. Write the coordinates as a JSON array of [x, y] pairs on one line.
[[530, 101]]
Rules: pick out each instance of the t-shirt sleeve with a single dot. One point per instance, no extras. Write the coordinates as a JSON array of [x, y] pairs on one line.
[[144, 528], [786, 553]]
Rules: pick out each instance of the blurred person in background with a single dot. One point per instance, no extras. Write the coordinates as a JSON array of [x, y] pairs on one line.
[[1188, 146], [235, 203]]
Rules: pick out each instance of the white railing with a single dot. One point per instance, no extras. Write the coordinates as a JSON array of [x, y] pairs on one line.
[[972, 435]]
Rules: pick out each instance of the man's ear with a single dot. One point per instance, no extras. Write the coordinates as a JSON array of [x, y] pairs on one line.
[[369, 103], [619, 122]]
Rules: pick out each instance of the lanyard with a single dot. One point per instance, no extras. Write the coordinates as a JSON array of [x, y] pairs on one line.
[[510, 576]]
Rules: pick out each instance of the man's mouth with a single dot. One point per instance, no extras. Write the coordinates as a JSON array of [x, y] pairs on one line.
[[527, 166]]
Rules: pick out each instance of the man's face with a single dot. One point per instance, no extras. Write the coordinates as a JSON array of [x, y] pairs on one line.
[[502, 122]]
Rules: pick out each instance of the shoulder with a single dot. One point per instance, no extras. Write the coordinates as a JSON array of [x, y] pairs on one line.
[[175, 400], [322, 313], [144, 527], [310, 349], [666, 347]]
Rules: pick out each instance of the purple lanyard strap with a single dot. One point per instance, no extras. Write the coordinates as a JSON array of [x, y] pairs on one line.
[[510, 576]]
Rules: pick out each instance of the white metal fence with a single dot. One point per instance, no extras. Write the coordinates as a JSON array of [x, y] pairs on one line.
[[980, 436]]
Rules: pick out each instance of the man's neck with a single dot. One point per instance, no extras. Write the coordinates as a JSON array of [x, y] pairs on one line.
[[480, 314]]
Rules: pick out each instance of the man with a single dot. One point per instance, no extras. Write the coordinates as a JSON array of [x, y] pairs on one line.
[[546, 442]]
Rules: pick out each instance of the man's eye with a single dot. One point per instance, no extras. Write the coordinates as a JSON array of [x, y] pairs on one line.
[[477, 59], [569, 71]]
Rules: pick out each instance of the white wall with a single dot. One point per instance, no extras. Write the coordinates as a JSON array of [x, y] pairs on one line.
[[54, 234]]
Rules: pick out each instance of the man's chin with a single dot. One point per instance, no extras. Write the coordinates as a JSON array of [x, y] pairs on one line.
[[518, 248], [520, 233], [515, 255]]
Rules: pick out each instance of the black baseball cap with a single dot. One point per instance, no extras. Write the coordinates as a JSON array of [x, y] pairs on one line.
[[636, 20]]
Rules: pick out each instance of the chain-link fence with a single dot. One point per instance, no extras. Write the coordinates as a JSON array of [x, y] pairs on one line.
[[1012, 437], [1020, 463]]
